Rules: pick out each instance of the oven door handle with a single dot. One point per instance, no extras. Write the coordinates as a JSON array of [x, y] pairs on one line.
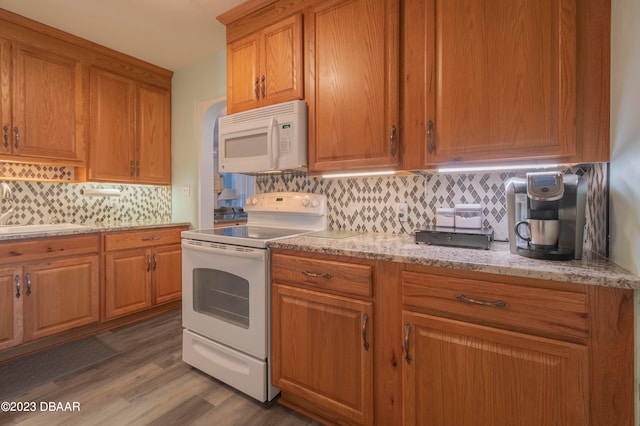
[[246, 253]]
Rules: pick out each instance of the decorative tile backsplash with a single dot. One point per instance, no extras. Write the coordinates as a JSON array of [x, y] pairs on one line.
[[40, 202], [368, 203], [37, 172]]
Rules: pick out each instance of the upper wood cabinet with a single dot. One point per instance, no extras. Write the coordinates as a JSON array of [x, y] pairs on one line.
[[265, 67], [503, 80], [130, 138], [42, 108], [352, 85]]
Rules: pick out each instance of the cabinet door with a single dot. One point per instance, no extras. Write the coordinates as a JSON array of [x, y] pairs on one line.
[[319, 354], [11, 297], [243, 81], [5, 97], [60, 295], [352, 89], [153, 164], [281, 63], [112, 128], [48, 105], [465, 374], [127, 282], [502, 79], [167, 271]]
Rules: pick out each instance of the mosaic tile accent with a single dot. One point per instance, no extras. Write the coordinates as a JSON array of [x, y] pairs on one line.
[[36, 172], [39, 202], [368, 203]]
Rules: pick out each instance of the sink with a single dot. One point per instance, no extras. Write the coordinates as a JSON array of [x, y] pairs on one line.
[[31, 229]]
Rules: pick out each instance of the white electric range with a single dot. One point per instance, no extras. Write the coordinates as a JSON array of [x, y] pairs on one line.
[[226, 289]]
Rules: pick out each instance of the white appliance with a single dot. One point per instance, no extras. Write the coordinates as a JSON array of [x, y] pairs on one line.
[[267, 139], [226, 293]]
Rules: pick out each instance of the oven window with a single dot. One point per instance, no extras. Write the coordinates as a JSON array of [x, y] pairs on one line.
[[221, 295]]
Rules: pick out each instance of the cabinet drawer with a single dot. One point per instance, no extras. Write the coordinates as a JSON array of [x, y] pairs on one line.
[[44, 248], [322, 274], [138, 239], [546, 311]]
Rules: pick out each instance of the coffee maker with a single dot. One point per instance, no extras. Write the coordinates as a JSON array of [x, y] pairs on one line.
[[546, 215]]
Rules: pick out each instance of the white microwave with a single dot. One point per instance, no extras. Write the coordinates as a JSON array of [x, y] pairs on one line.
[[266, 139]]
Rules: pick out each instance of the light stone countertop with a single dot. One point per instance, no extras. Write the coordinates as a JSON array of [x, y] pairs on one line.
[[92, 228], [591, 269]]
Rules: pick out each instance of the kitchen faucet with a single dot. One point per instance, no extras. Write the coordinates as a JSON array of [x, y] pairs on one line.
[[7, 197]]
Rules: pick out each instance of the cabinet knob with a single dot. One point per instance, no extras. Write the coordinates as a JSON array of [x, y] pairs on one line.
[[16, 138], [256, 89], [392, 141], [17, 280], [5, 135], [430, 145]]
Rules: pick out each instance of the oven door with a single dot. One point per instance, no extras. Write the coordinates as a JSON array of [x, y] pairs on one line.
[[225, 294]]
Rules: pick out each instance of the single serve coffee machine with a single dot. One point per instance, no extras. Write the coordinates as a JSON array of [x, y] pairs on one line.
[[546, 215]]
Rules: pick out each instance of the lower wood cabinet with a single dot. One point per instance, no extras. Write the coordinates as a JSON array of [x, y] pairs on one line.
[[142, 269], [56, 289], [458, 373], [323, 337]]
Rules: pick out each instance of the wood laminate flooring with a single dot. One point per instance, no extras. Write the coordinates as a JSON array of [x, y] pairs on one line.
[[147, 384]]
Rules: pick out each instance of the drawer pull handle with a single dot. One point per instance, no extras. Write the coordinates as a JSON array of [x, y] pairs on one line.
[[497, 304], [407, 330], [154, 238], [365, 318], [326, 276]]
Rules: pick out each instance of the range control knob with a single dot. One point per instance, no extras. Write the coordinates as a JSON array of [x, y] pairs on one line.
[[253, 201], [315, 202], [305, 201]]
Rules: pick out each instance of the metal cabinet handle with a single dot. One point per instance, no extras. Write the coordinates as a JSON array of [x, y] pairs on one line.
[[5, 136], [155, 261], [263, 86], [497, 304], [132, 168], [256, 89], [153, 238], [148, 263], [17, 280], [430, 146], [137, 167], [365, 318], [392, 141], [16, 138], [28, 278], [313, 275], [407, 329]]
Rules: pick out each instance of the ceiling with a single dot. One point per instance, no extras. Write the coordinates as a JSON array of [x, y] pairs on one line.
[[168, 33]]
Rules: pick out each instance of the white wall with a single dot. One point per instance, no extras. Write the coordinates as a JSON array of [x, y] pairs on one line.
[[625, 134], [191, 86]]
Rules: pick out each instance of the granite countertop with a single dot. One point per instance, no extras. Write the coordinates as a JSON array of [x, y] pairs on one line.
[[92, 228], [591, 269]]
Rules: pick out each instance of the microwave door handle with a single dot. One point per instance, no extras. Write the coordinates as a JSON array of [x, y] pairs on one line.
[[274, 153]]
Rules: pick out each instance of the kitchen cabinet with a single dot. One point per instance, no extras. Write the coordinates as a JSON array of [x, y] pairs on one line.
[[11, 307], [487, 81], [49, 286], [130, 137], [265, 67], [352, 85], [142, 269], [323, 337], [43, 104]]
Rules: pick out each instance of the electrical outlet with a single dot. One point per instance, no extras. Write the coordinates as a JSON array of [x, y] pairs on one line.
[[402, 209], [186, 191]]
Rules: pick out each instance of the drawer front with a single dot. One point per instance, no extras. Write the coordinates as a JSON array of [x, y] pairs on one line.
[[547, 311], [139, 239], [320, 274], [44, 248]]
